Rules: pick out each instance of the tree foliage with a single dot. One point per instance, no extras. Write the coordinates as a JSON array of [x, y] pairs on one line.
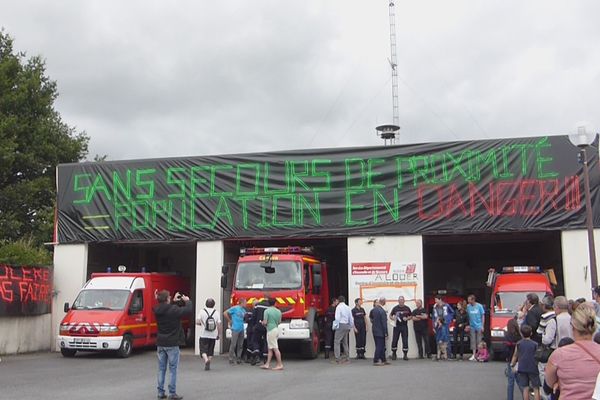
[[24, 252], [33, 141]]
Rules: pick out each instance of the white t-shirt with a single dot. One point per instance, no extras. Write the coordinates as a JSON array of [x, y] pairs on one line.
[[203, 316], [596, 395]]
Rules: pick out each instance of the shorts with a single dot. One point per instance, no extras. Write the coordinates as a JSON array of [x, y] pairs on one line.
[[531, 379], [207, 346], [272, 336]]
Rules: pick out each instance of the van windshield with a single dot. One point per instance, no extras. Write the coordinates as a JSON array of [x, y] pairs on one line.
[[251, 276], [510, 302], [101, 299]]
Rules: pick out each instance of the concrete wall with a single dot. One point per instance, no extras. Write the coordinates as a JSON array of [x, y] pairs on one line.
[[70, 270], [385, 249], [209, 259], [25, 334], [576, 261]]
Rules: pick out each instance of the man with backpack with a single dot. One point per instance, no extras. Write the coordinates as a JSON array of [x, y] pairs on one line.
[[210, 331]]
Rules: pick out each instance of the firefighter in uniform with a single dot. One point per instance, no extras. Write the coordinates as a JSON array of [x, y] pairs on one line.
[[248, 343], [360, 328], [400, 314], [329, 317], [259, 332]]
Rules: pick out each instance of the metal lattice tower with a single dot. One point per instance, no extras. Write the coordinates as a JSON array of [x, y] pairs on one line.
[[394, 64], [388, 132]]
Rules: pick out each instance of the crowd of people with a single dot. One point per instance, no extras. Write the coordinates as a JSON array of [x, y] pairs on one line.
[[551, 348]]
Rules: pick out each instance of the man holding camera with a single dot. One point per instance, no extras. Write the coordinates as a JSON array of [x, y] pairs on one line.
[[170, 332]]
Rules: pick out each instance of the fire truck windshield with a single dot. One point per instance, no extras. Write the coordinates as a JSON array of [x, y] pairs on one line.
[[510, 302], [101, 299], [286, 275]]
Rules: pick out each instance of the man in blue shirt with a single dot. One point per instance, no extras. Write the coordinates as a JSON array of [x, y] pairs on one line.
[[235, 318], [476, 322]]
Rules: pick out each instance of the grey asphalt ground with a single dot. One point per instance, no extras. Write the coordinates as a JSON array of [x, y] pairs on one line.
[[100, 376]]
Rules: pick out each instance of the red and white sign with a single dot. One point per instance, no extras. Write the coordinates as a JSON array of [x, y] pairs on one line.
[[371, 268]]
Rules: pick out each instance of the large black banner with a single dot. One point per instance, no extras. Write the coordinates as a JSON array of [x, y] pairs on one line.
[[25, 290], [519, 184]]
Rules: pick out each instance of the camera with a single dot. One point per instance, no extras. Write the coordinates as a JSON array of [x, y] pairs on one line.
[[178, 299]]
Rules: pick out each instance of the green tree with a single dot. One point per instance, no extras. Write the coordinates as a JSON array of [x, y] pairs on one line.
[[33, 141], [24, 252]]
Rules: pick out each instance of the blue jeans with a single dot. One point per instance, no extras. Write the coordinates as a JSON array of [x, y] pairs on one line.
[[170, 356], [511, 381]]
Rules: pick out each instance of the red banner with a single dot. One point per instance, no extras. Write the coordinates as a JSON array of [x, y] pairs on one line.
[[25, 290]]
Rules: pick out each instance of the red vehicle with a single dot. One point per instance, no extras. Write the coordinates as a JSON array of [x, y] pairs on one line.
[[297, 279], [509, 290], [450, 299], [113, 311]]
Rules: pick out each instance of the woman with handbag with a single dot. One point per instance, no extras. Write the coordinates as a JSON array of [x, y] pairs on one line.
[[576, 366]]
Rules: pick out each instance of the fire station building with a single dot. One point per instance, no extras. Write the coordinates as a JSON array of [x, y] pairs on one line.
[[400, 220]]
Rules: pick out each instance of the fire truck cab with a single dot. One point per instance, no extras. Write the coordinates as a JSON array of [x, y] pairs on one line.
[[113, 311], [296, 279], [509, 290]]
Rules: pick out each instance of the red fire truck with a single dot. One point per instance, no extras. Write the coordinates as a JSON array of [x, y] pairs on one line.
[[296, 279], [509, 290], [114, 312]]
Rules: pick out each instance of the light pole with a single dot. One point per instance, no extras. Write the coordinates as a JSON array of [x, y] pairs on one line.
[[583, 140]]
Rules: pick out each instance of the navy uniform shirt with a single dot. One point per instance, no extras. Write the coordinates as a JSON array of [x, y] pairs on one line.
[[401, 312], [359, 313]]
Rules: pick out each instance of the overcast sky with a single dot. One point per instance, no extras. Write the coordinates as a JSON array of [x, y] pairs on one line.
[[150, 79]]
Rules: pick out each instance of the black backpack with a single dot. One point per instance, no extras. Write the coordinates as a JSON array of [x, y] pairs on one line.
[[210, 324]]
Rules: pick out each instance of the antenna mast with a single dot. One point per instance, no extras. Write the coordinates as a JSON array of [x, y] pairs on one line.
[[394, 63], [388, 132]]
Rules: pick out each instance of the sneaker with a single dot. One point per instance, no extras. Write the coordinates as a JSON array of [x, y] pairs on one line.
[[161, 396], [378, 364], [207, 366], [386, 363], [175, 397], [472, 358]]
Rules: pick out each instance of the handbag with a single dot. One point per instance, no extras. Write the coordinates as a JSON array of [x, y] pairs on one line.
[[542, 353], [335, 325]]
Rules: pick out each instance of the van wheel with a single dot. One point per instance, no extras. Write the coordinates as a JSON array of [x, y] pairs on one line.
[[69, 353], [311, 346], [126, 347]]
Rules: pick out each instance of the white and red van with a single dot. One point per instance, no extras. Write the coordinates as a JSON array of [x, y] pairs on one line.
[[509, 290], [113, 311]]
